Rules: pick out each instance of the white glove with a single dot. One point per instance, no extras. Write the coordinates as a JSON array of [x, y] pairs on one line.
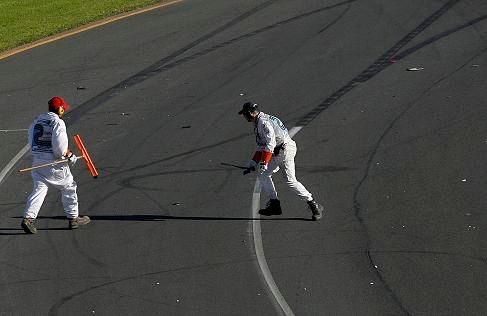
[[72, 159], [261, 167]]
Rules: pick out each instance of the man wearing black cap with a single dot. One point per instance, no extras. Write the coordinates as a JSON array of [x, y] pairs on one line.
[[48, 142], [275, 149]]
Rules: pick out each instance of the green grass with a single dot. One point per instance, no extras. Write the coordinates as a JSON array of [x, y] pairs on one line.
[[24, 21]]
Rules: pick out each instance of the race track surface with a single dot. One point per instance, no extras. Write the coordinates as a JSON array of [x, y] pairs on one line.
[[397, 157]]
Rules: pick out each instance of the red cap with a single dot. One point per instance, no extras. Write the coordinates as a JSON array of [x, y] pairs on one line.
[[57, 102]]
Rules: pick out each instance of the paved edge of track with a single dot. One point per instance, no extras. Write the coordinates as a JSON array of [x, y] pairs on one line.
[[84, 28], [259, 248]]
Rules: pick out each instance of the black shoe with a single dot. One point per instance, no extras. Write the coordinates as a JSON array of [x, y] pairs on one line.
[[78, 221], [273, 208], [317, 210], [28, 226]]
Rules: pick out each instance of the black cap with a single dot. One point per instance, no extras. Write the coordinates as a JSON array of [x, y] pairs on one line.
[[248, 107]]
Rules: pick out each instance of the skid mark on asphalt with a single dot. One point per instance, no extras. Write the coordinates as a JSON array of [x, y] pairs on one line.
[[338, 18], [54, 310], [437, 37], [379, 65], [157, 67], [183, 154], [166, 64]]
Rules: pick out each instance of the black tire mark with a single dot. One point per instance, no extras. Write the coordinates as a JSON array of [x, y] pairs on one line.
[[164, 64], [338, 18], [183, 154], [155, 68], [254, 33], [53, 311], [380, 64], [128, 182], [435, 38]]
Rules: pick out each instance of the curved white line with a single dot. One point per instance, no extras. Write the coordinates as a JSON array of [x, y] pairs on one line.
[[259, 248], [259, 251], [12, 162]]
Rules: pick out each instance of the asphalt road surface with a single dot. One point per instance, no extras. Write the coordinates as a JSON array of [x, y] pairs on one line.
[[397, 157]]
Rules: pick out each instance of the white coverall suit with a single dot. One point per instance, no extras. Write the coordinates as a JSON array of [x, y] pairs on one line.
[[270, 134], [48, 142]]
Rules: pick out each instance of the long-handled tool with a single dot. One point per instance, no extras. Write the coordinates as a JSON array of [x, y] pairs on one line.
[[49, 164], [84, 154], [246, 169]]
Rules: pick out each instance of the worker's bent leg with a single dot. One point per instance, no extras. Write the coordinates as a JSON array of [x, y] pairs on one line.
[[35, 199], [69, 197], [289, 173]]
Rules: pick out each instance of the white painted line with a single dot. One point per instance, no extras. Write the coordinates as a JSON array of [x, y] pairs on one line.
[[13, 130], [293, 131], [259, 251], [259, 248], [12, 162]]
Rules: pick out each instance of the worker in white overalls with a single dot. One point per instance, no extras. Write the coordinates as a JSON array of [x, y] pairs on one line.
[[48, 142], [275, 149]]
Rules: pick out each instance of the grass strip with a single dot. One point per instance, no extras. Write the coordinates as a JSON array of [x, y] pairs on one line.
[[25, 21]]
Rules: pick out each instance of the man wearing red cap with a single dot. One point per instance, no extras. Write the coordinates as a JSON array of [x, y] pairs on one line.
[[48, 142]]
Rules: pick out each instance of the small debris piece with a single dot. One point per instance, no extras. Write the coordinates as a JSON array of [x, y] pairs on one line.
[[80, 88], [415, 69], [186, 126], [176, 203]]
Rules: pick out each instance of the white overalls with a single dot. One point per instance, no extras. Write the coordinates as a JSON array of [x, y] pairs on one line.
[[271, 135], [48, 141]]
